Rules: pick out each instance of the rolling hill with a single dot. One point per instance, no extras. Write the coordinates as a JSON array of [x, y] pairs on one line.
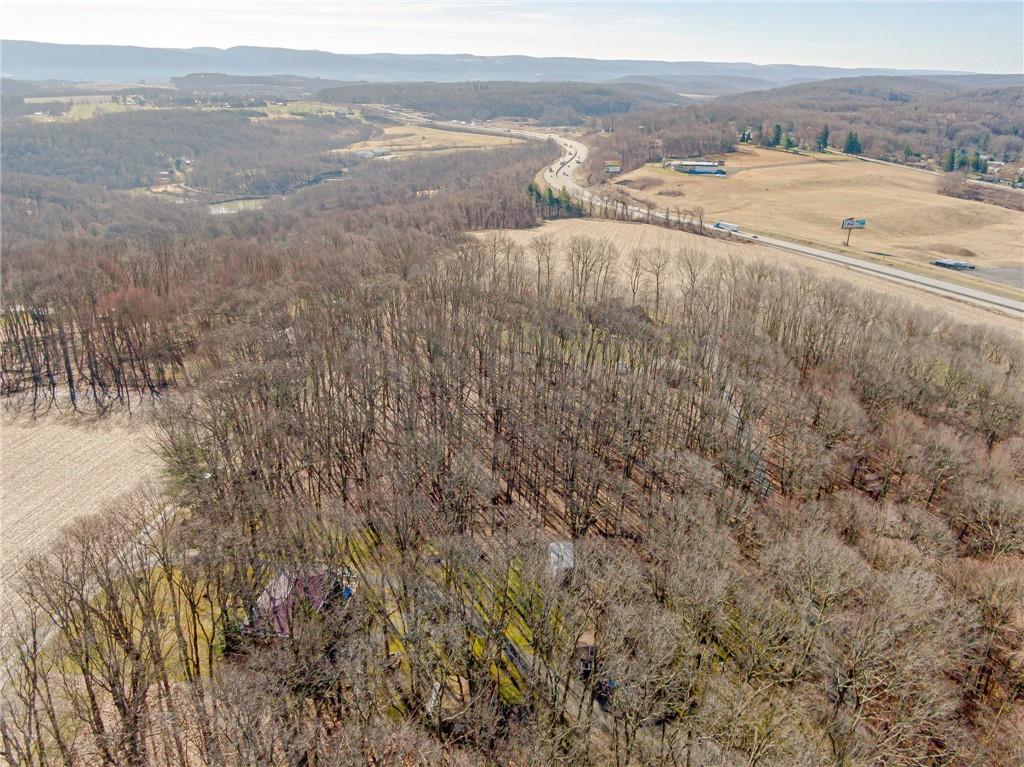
[[29, 60]]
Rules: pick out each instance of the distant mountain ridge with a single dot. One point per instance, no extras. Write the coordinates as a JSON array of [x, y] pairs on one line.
[[27, 60]]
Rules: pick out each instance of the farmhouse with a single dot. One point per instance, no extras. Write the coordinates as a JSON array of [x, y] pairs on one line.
[[290, 592]]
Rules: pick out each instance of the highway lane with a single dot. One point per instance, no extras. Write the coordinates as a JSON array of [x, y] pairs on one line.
[[940, 287], [561, 175]]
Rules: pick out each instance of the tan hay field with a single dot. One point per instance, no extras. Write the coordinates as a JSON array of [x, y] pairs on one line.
[[292, 110], [409, 139], [627, 236], [58, 468], [805, 197]]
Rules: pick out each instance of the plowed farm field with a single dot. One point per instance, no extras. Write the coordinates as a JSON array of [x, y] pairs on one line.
[[56, 469]]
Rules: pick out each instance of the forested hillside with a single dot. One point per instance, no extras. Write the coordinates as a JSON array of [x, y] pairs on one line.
[[266, 85], [903, 119], [228, 151], [894, 117], [547, 103], [635, 139], [786, 511]]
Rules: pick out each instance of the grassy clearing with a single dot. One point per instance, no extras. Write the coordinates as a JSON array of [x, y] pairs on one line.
[[407, 140], [296, 109], [78, 99], [805, 197], [235, 206], [87, 107], [87, 110], [202, 631]]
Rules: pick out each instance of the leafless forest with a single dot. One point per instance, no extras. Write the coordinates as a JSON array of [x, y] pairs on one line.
[[794, 506], [900, 119]]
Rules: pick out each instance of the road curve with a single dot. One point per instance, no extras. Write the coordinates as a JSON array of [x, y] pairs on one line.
[[561, 175]]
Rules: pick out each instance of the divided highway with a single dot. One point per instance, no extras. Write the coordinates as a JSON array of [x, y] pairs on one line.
[[561, 175]]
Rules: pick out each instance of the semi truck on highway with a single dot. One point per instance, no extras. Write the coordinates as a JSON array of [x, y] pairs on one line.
[[725, 226]]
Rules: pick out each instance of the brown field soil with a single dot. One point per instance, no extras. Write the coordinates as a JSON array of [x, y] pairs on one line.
[[411, 139], [58, 468], [627, 236], [805, 197]]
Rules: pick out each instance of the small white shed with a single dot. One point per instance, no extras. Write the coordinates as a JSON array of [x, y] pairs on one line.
[[561, 557]]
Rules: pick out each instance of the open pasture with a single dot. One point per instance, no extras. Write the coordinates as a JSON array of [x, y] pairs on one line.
[[804, 197], [409, 140]]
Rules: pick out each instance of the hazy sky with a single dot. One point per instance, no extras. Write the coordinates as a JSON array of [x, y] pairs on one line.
[[985, 37]]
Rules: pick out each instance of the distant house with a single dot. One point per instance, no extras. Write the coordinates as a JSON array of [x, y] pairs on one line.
[[613, 166], [289, 593]]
